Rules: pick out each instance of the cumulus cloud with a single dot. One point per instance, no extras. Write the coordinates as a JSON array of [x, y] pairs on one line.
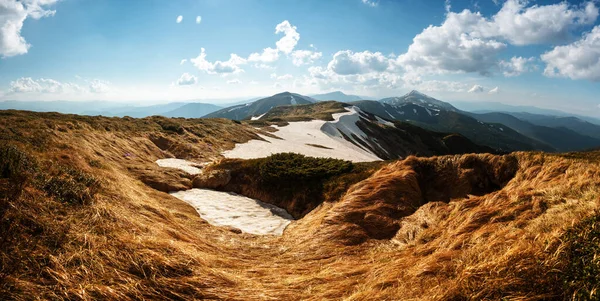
[[516, 66], [578, 60], [290, 38], [46, 85], [347, 62], [494, 91], [219, 67], [268, 55], [182, 62], [234, 81], [476, 89], [539, 24], [371, 3], [12, 15], [187, 79], [455, 46], [304, 57], [468, 42], [198, 19], [179, 19]]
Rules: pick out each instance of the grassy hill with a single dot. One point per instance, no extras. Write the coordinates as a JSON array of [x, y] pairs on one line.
[[79, 220]]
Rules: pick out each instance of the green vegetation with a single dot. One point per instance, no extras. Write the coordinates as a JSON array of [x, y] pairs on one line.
[[71, 185], [296, 167], [295, 182], [582, 273]]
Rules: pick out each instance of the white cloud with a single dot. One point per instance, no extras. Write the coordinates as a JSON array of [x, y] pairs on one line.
[[516, 66], [455, 46], [439, 86], [285, 77], [290, 38], [99, 86], [179, 19], [219, 67], [234, 81], [268, 55], [198, 19], [12, 15], [469, 42], [182, 62], [578, 60], [347, 62], [539, 24], [371, 3], [476, 89], [51, 86], [187, 79], [494, 91], [304, 57]]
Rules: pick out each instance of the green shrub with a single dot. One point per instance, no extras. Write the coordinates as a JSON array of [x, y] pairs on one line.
[[296, 167]]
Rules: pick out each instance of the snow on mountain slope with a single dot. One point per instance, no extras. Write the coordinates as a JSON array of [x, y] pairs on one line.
[[316, 138], [187, 166]]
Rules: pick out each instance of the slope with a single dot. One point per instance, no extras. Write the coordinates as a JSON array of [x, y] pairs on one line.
[[259, 107], [572, 123], [435, 118], [192, 110], [560, 138], [78, 223]]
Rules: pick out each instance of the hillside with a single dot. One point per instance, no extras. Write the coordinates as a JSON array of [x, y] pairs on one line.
[[80, 219], [259, 107], [436, 118], [560, 138], [572, 123], [326, 125]]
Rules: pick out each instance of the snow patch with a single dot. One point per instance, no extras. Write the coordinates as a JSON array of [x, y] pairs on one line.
[[296, 135], [258, 117], [383, 121], [187, 166], [229, 209], [415, 110], [293, 100], [390, 114]]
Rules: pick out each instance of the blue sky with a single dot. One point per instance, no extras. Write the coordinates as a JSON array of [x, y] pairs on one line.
[[543, 53]]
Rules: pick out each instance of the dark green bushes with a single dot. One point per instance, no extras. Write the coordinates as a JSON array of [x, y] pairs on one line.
[[296, 167]]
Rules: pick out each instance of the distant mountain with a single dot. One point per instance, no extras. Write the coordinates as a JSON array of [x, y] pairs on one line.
[[61, 106], [432, 115], [489, 107], [136, 111], [384, 138], [261, 106], [420, 99], [192, 110], [572, 123], [337, 96], [561, 138]]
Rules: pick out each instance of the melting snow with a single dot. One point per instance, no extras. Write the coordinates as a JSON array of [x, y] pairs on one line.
[[428, 112], [296, 135], [390, 114], [292, 100], [258, 117], [383, 121], [187, 166], [415, 110], [502, 129], [229, 209]]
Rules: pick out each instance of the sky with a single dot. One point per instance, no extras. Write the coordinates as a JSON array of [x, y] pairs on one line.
[[541, 53]]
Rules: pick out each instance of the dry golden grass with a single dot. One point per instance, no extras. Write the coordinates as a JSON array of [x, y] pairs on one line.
[[477, 227]]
